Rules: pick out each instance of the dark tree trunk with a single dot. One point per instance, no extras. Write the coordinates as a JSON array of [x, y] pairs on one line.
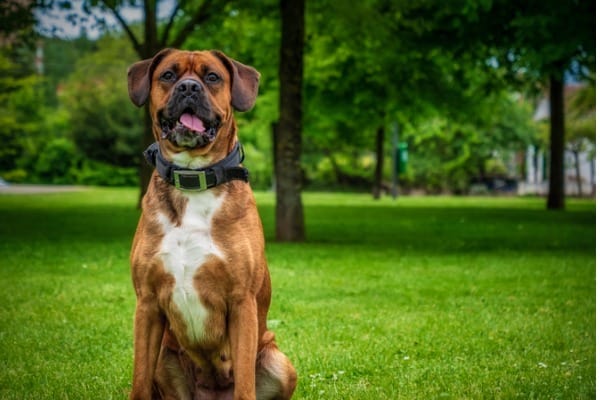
[[377, 184], [556, 193], [149, 47], [145, 170], [288, 172], [578, 174], [274, 154]]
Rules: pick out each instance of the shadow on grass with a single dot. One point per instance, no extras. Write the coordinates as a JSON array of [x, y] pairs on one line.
[[424, 225], [50, 220], [455, 229]]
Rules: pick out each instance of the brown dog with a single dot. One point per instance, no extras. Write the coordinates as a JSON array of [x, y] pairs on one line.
[[197, 261]]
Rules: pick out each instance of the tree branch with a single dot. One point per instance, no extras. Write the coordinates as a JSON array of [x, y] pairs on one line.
[[134, 41], [201, 15], [165, 36]]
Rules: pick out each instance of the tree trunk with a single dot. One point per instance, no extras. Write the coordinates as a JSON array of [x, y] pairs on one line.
[[145, 170], [578, 173], [150, 47], [377, 184], [288, 172], [556, 193], [274, 155]]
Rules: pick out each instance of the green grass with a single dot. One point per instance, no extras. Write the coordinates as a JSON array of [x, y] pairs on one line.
[[421, 298]]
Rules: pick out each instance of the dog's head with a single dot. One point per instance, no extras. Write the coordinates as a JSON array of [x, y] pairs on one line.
[[192, 95]]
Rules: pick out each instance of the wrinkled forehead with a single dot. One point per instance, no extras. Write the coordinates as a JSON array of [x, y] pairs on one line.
[[185, 63]]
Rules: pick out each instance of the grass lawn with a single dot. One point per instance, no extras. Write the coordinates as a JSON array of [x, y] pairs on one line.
[[421, 298]]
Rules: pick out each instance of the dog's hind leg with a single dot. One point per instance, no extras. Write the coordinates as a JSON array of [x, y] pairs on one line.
[[172, 379], [275, 375]]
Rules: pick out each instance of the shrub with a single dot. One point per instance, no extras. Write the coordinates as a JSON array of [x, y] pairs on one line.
[[102, 174], [56, 162], [104, 125], [18, 175]]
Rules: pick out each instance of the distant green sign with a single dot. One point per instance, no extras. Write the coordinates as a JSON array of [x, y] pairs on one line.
[[401, 157]]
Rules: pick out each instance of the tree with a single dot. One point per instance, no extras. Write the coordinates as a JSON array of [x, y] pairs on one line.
[[556, 189], [10, 124], [532, 43], [447, 152], [103, 125], [16, 28], [371, 63], [16, 21], [288, 137], [553, 38]]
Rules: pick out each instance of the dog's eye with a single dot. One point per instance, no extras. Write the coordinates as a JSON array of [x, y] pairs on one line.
[[167, 76], [211, 77]]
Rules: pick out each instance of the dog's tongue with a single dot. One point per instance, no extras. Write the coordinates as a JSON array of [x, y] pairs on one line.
[[192, 122]]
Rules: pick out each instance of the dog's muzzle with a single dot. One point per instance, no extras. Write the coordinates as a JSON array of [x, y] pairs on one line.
[[188, 120]]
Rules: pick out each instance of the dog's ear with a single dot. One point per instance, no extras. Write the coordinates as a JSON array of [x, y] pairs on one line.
[[244, 82], [139, 77]]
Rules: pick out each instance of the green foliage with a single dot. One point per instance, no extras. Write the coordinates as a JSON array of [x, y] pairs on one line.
[[370, 63], [421, 298], [27, 125], [517, 42], [49, 142], [440, 69], [40, 134], [60, 60], [12, 147], [104, 124], [101, 174], [18, 175], [441, 156], [10, 130], [16, 21], [581, 114], [37, 144], [56, 161], [446, 153], [536, 46]]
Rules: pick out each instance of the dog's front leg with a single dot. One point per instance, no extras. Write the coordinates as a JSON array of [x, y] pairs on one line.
[[243, 334], [148, 332]]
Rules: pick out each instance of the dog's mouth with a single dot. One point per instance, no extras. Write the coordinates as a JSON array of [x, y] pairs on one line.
[[188, 129]]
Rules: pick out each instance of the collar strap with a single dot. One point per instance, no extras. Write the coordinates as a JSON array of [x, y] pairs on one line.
[[200, 179]]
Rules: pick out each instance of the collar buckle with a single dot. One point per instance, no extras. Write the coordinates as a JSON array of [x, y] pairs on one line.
[[190, 180]]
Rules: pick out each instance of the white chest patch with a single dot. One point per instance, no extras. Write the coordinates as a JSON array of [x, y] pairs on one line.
[[184, 159], [183, 251]]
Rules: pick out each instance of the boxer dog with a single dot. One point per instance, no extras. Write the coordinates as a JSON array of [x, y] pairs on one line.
[[197, 260]]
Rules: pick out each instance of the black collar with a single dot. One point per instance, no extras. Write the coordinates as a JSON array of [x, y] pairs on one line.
[[199, 179]]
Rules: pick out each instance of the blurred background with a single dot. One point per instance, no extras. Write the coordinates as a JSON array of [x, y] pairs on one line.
[[397, 97]]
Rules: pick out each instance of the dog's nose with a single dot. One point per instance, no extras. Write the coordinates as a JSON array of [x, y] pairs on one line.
[[189, 87]]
